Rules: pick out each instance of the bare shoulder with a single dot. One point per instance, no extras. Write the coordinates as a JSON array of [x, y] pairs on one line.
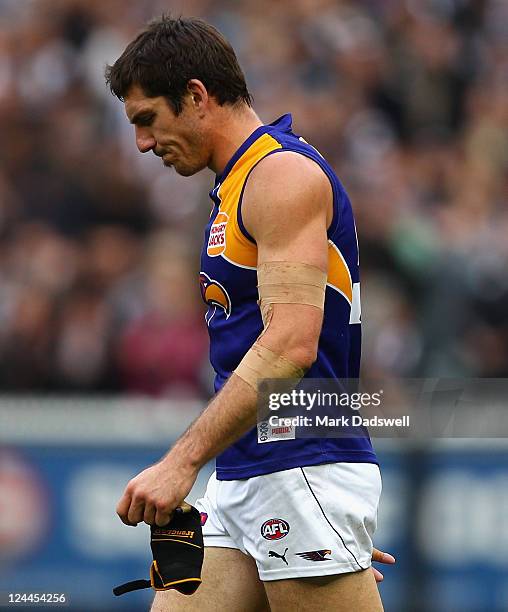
[[283, 166], [286, 188]]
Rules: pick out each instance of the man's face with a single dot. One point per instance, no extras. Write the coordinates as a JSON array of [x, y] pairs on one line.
[[178, 140]]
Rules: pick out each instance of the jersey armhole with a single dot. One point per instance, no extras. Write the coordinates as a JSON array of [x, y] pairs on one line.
[[239, 219], [336, 204]]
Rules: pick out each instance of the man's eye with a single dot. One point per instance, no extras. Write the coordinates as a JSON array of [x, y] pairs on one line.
[[145, 121]]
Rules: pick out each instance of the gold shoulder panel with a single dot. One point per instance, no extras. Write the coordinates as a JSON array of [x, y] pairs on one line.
[[237, 248]]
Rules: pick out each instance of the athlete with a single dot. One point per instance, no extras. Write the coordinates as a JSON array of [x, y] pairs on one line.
[[288, 521]]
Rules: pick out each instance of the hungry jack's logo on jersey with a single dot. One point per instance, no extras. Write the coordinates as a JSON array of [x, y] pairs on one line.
[[217, 240], [215, 295]]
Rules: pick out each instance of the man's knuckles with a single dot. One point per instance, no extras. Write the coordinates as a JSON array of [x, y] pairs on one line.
[[137, 500], [164, 507]]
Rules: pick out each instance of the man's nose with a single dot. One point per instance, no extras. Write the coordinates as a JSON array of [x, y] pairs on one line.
[[144, 141]]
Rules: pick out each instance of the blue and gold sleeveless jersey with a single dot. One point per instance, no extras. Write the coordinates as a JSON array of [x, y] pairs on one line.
[[228, 281]]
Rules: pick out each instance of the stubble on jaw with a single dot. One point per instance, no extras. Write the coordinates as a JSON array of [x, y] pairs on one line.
[[198, 156]]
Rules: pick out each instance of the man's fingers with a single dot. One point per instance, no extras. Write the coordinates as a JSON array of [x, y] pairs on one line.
[[136, 511], [149, 515], [122, 509], [162, 517], [382, 557], [378, 575]]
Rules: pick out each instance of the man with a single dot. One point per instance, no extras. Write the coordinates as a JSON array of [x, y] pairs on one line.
[[281, 221]]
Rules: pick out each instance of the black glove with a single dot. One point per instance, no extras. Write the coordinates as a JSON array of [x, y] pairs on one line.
[[177, 550]]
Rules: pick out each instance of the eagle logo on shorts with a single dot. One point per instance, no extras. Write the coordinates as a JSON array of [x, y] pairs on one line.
[[316, 555]]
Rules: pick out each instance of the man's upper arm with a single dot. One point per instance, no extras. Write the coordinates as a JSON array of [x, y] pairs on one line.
[[286, 208]]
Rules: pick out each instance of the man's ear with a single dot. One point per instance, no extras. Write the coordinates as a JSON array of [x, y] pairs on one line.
[[198, 94]]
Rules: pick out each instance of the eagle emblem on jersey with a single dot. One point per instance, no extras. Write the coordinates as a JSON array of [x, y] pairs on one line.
[[316, 555], [215, 296]]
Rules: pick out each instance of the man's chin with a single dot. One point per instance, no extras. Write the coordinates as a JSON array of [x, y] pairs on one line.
[[184, 170]]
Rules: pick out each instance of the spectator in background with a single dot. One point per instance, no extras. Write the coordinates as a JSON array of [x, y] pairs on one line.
[[163, 351]]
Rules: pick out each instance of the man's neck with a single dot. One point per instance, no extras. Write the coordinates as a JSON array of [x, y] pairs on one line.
[[233, 127]]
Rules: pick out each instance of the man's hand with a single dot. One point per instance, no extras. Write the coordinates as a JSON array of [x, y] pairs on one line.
[[153, 495], [381, 557]]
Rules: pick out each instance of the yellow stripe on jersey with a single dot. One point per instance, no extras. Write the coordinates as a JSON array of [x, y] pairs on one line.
[[339, 277], [238, 249]]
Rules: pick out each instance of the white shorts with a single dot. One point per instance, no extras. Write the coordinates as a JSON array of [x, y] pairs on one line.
[[311, 521]]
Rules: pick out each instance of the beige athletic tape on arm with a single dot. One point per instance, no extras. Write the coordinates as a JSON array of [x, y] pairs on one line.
[[260, 363], [280, 282], [284, 282]]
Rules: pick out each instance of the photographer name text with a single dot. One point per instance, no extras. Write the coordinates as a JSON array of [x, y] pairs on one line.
[[343, 421]]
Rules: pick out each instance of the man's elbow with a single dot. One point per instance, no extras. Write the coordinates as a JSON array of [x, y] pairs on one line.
[[303, 354], [294, 333]]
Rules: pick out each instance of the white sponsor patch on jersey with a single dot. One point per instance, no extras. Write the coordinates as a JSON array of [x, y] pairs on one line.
[[269, 433]]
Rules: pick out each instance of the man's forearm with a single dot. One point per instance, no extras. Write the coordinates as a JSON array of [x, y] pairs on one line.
[[230, 414], [284, 352]]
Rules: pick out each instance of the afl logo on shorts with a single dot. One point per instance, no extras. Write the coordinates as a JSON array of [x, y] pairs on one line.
[[217, 240], [274, 529]]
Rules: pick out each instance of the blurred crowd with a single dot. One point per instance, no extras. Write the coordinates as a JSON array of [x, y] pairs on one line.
[[99, 245]]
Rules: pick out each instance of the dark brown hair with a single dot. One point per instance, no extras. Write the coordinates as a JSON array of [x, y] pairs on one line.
[[168, 53]]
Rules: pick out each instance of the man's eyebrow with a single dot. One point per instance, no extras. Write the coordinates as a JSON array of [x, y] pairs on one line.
[[141, 114]]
